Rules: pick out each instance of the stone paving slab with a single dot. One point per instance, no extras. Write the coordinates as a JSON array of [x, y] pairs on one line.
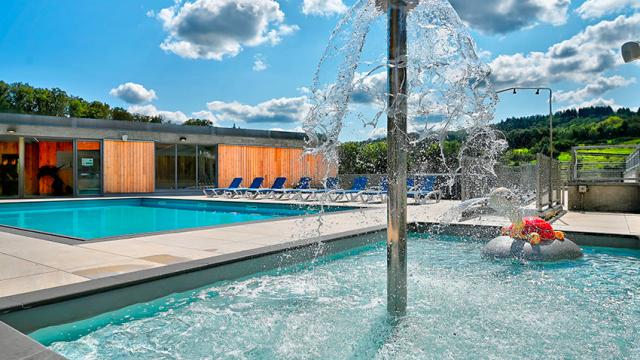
[[29, 264]]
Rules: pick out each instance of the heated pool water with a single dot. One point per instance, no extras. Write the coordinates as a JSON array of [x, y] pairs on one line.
[[91, 219], [461, 306]]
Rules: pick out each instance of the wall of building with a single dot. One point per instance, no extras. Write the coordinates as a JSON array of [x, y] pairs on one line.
[[605, 197], [129, 166], [249, 162]]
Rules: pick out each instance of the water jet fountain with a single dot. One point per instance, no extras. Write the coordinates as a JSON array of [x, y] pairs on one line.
[[437, 73]]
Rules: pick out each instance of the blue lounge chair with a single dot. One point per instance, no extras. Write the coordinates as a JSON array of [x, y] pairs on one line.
[[359, 185], [255, 184], [330, 184], [278, 184], [381, 191], [378, 192], [425, 190], [211, 192], [303, 184]]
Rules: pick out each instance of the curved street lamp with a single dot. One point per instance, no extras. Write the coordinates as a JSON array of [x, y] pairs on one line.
[[631, 51]]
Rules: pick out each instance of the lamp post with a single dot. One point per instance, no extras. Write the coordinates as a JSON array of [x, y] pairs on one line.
[[537, 89], [631, 51]]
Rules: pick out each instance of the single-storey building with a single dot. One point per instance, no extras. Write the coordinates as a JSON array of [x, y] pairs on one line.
[[60, 156]]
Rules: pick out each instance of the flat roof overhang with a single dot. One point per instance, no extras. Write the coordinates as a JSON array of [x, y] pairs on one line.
[[81, 128]]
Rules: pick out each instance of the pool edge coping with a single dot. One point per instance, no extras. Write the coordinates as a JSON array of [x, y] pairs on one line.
[[22, 347], [36, 298], [23, 301]]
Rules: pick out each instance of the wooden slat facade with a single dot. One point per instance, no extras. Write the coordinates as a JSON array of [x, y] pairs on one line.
[[268, 162], [129, 166]]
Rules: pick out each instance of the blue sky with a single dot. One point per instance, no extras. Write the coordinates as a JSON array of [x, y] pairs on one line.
[[246, 61]]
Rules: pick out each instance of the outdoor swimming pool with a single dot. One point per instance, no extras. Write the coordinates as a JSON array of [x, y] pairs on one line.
[[92, 219], [460, 306]]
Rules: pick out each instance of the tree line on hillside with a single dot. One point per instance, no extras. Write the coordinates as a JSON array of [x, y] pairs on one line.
[[23, 98], [526, 136]]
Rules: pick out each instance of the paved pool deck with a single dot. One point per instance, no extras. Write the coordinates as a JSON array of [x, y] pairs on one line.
[[29, 264]]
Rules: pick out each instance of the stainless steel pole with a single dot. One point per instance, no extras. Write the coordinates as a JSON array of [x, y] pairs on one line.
[[397, 159], [550, 148]]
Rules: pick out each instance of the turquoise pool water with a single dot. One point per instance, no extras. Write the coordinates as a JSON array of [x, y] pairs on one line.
[[461, 306], [92, 219]]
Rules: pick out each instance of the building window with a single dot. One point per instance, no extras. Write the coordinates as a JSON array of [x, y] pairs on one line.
[[186, 170], [9, 158], [89, 165], [207, 166], [165, 166], [48, 167]]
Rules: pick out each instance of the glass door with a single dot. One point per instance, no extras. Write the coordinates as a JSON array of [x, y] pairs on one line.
[[89, 165], [9, 159]]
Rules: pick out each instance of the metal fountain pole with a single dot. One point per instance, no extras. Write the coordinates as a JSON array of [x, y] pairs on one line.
[[397, 158]]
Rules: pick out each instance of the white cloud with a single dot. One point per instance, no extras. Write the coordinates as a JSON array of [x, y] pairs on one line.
[[368, 89], [214, 29], [503, 16], [596, 88], [259, 63], [274, 111], [323, 7], [133, 93], [205, 115], [582, 58], [597, 8], [378, 133], [594, 102], [484, 54], [150, 110]]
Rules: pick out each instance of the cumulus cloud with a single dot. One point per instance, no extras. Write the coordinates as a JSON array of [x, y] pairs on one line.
[[133, 93], [597, 8], [323, 7], [214, 29], [150, 110], [205, 115], [500, 16], [368, 89], [274, 111], [378, 133], [594, 102], [582, 58], [259, 63], [598, 87]]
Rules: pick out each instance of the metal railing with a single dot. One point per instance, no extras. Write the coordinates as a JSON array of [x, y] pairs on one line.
[[605, 163]]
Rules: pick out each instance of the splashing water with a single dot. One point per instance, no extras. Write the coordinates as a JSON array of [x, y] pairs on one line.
[[448, 86]]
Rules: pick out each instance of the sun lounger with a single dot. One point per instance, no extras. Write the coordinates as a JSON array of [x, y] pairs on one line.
[[303, 184], [381, 192], [359, 184], [211, 192], [330, 184], [425, 190], [278, 184], [255, 184]]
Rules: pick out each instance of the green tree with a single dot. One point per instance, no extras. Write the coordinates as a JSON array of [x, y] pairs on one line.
[[5, 97], [98, 110], [118, 113], [23, 98], [78, 108], [198, 122]]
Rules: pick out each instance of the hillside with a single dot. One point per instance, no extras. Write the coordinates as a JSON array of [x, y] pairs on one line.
[[526, 136], [586, 126]]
